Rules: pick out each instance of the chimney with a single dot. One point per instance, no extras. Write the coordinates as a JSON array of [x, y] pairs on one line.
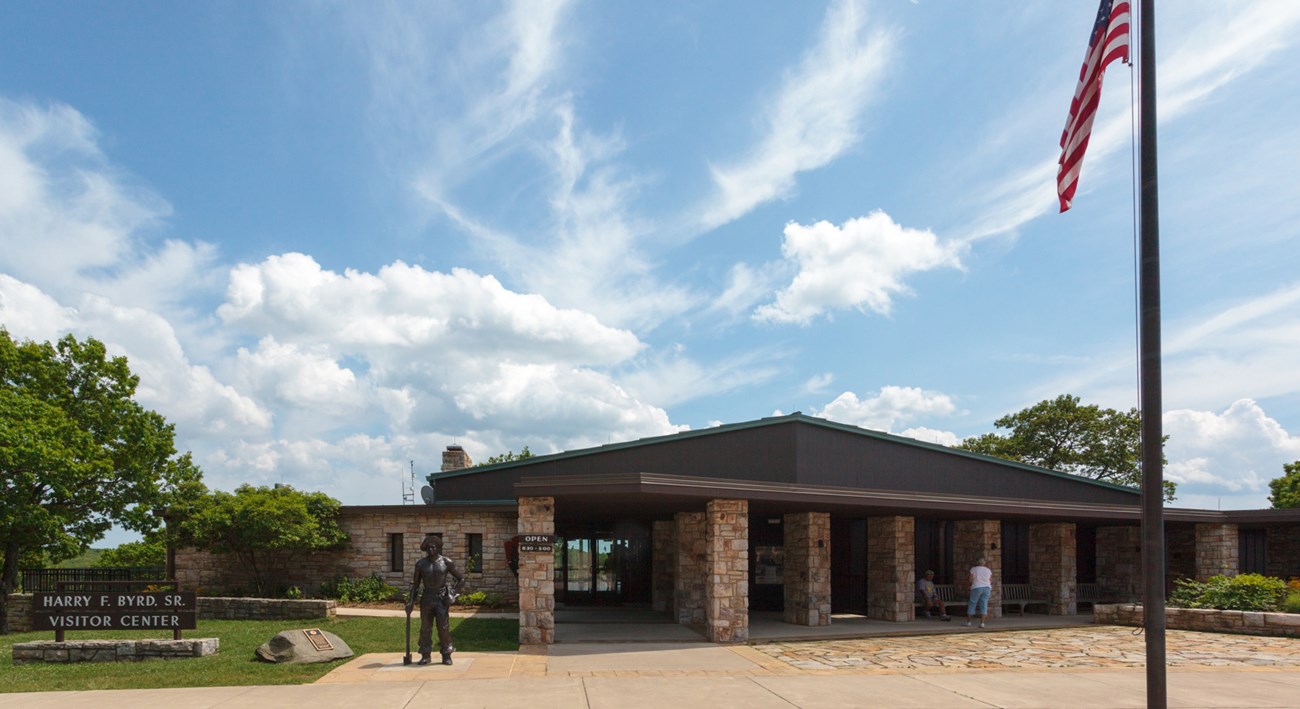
[[455, 458]]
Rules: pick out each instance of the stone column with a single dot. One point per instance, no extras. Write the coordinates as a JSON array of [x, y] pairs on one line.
[[1217, 550], [1119, 563], [974, 538], [689, 581], [891, 568], [727, 567], [807, 568], [1053, 572], [536, 574], [663, 562]]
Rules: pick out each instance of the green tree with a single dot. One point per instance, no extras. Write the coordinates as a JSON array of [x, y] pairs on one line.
[[265, 527], [146, 552], [1286, 489], [508, 456], [1062, 434], [77, 454]]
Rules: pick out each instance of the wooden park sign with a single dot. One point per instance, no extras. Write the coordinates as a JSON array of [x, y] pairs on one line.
[[114, 610]]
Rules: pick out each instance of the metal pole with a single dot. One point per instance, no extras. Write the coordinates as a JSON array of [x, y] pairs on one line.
[[1153, 525]]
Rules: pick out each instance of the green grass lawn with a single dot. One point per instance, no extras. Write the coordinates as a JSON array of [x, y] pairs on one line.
[[235, 664]]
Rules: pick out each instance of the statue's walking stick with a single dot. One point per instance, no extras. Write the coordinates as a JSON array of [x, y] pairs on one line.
[[406, 659]]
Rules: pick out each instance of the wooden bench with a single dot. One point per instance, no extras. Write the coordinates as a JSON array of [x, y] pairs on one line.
[[1089, 593], [1019, 595], [952, 599]]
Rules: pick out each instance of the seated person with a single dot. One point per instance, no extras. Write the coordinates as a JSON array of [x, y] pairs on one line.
[[928, 596]]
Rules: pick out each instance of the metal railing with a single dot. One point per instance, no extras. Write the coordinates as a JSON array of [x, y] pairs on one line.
[[48, 580]]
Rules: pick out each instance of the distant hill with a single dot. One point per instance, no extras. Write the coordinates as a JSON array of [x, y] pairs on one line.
[[85, 561]]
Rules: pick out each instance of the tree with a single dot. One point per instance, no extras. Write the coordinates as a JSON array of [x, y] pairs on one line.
[[77, 454], [1061, 434], [265, 527], [508, 456], [146, 552], [1286, 489]]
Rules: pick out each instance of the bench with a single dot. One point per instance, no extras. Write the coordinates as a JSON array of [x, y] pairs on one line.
[[952, 599], [1019, 595]]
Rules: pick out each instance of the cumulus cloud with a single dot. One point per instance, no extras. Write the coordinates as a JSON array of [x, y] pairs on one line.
[[1233, 453], [860, 264], [891, 407], [814, 117]]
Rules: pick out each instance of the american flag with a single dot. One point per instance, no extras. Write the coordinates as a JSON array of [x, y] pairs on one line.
[[1109, 41]]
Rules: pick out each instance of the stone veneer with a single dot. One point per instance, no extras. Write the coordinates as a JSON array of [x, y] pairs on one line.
[[891, 568], [1240, 622], [1217, 550], [690, 580], [368, 552], [112, 650], [726, 608], [1052, 566], [218, 608], [20, 612], [1283, 551], [663, 562], [536, 574], [974, 538], [1119, 562], [807, 568]]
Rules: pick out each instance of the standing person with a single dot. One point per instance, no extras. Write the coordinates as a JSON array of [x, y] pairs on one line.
[[928, 596], [431, 572], [981, 587]]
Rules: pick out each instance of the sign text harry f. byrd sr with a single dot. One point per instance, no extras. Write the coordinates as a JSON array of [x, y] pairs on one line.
[[100, 610]]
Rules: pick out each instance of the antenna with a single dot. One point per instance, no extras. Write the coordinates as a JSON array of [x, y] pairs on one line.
[[408, 491]]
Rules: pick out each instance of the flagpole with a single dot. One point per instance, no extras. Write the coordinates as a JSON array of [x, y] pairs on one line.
[[1153, 525]]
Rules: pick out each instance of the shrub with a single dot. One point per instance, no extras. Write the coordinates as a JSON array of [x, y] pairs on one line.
[[1247, 592], [293, 593], [1291, 604], [367, 590], [486, 599]]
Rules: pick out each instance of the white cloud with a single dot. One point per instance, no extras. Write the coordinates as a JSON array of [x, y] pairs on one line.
[[861, 264], [1234, 453], [890, 407], [813, 119]]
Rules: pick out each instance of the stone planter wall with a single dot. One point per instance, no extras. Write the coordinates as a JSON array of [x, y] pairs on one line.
[[112, 650], [218, 608], [1241, 622]]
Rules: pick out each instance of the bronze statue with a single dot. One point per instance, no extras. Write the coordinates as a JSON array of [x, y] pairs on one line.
[[431, 572]]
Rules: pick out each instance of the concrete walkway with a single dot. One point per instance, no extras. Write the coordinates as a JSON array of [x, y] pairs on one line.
[[1097, 666]]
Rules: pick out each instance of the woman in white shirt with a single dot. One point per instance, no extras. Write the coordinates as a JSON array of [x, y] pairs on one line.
[[981, 587]]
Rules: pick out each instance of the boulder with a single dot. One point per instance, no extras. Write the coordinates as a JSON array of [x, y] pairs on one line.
[[296, 647]]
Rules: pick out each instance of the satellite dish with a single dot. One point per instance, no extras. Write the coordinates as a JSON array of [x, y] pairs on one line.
[[426, 494]]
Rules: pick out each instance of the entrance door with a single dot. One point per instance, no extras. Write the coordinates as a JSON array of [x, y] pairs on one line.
[[848, 565], [597, 567]]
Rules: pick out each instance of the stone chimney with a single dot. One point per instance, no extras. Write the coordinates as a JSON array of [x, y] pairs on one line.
[[455, 458]]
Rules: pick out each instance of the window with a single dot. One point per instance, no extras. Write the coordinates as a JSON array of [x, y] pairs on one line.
[[1252, 550], [395, 552], [474, 553], [1015, 552]]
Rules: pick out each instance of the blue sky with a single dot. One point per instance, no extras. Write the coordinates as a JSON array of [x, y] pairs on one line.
[[333, 238]]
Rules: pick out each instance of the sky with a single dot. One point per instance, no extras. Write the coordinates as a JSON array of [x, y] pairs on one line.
[[333, 238]]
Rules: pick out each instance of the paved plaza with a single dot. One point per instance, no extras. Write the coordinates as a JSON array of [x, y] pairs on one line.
[[1083, 666]]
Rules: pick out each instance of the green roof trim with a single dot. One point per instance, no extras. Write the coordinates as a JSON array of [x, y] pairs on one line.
[[796, 417]]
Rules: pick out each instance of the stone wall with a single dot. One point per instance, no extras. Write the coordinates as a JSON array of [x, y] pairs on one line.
[[690, 581], [20, 612], [807, 568], [112, 650], [1217, 550], [1052, 566], [218, 608], [1119, 562], [975, 538], [369, 552], [891, 568], [536, 574], [663, 564], [726, 609], [1240, 622]]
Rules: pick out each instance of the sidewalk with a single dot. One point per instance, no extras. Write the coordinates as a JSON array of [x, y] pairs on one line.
[[1072, 667]]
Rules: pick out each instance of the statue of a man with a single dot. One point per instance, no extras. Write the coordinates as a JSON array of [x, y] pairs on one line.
[[432, 573]]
